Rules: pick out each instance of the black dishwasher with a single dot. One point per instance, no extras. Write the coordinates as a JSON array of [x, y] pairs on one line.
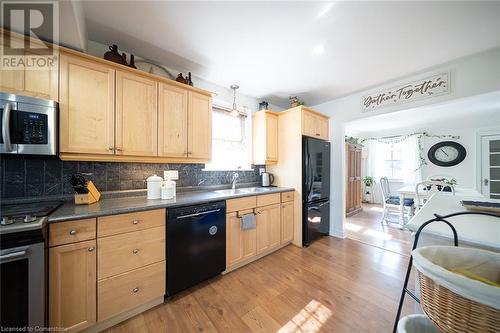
[[196, 244]]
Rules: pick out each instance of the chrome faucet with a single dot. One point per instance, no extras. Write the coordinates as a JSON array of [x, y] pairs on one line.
[[233, 181]]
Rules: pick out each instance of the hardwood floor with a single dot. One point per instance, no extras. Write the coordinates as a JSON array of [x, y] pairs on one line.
[[332, 286], [366, 227]]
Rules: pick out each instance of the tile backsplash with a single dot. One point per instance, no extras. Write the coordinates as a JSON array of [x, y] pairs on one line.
[[22, 177]]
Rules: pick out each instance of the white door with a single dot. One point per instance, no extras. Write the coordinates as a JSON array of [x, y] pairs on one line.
[[490, 166]]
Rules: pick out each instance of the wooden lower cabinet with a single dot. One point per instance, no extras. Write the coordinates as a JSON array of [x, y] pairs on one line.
[[72, 285], [241, 244], [287, 212], [268, 227], [273, 227], [131, 289]]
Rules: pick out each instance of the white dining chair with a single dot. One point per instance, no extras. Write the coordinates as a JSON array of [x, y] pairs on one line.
[[426, 189], [392, 204]]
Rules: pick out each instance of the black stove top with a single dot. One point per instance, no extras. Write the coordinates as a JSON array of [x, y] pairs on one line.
[[38, 209], [25, 216]]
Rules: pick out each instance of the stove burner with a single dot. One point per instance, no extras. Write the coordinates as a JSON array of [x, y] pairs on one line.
[[6, 221], [29, 218]]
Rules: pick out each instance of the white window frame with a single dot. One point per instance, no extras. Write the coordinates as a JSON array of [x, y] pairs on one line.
[[392, 160], [248, 131]]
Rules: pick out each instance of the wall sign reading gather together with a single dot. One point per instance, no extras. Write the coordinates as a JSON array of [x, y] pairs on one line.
[[432, 86]]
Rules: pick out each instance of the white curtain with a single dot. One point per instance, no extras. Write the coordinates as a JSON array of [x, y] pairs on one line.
[[377, 153]]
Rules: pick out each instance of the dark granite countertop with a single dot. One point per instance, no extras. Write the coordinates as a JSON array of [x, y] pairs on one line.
[[69, 211]]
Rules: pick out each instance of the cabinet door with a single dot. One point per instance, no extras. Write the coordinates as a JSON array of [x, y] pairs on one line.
[[87, 106], [172, 121], [324, 125], [241, 244], [268, 228], [12, 81], [271, 138], [136, 115], [199, 126], [308, 123], [72, 286], [42, 83], [286, 222]]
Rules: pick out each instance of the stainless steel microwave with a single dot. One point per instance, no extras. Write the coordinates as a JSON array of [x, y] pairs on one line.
[[29, 125]]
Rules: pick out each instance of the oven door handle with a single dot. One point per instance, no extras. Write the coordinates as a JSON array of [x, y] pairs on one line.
[[6, 128], [13, 255]]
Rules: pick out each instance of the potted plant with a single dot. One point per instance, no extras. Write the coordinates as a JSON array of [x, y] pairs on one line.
[[368, 181]]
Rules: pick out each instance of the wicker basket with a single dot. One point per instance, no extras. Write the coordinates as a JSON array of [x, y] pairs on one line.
[[456, 303], [454, 313]]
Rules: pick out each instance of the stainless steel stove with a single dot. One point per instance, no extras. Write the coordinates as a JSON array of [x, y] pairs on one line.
[[25, 216], [23, 262]]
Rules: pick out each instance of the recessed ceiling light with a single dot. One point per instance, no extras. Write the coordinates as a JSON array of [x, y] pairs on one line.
[[318, 49]]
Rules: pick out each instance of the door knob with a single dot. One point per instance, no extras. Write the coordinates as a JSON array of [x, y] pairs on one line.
[[485, 182], [91, 249], [72, 232]]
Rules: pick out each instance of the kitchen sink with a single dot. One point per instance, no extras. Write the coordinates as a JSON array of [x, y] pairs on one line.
[[243, 190], [254, 189], [230, 191]]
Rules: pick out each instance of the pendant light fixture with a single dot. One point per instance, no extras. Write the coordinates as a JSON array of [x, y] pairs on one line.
[[234, 110]]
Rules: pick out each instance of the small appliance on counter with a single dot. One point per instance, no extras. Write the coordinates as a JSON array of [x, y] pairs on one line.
[[86, 192], [267, 179], [23, 260]]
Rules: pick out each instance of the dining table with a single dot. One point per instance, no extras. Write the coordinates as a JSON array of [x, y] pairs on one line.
[[409, 191]]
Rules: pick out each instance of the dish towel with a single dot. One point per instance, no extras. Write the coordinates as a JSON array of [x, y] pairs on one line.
[[248, 221]]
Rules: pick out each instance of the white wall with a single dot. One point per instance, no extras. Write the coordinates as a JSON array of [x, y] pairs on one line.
[[224, 95], [473, 75]]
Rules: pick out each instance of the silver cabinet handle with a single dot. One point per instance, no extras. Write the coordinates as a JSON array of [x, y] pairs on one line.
[[135, 251], [13, 255], [6, 128], [135, 222], [111, 148], [135, 290], [485, 182], [72, 232], [118, 149], [91, 249]]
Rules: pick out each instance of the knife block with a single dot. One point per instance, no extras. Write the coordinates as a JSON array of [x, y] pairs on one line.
[[88, 198]]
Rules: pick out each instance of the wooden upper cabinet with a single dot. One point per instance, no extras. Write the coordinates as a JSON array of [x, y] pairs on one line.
[[314, 124], [265, 137], [35, 82], [272, 138], [73, 286], [136, 115], [87, 106], [172, 121], [199, 126]]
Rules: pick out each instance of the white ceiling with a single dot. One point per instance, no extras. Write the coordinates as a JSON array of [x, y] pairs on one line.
[[269, 48], [472, 112]]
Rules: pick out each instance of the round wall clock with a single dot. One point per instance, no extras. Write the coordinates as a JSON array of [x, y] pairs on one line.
[[447, 153]]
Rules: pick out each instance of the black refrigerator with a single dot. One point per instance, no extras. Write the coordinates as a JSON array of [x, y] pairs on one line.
[[315, 189]]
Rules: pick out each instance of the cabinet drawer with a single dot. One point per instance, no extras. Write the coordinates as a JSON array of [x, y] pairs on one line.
[[121, 253], [118, 224], [268, 199], [130, 290], [71, 231], [233, 205], [287, 196]]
